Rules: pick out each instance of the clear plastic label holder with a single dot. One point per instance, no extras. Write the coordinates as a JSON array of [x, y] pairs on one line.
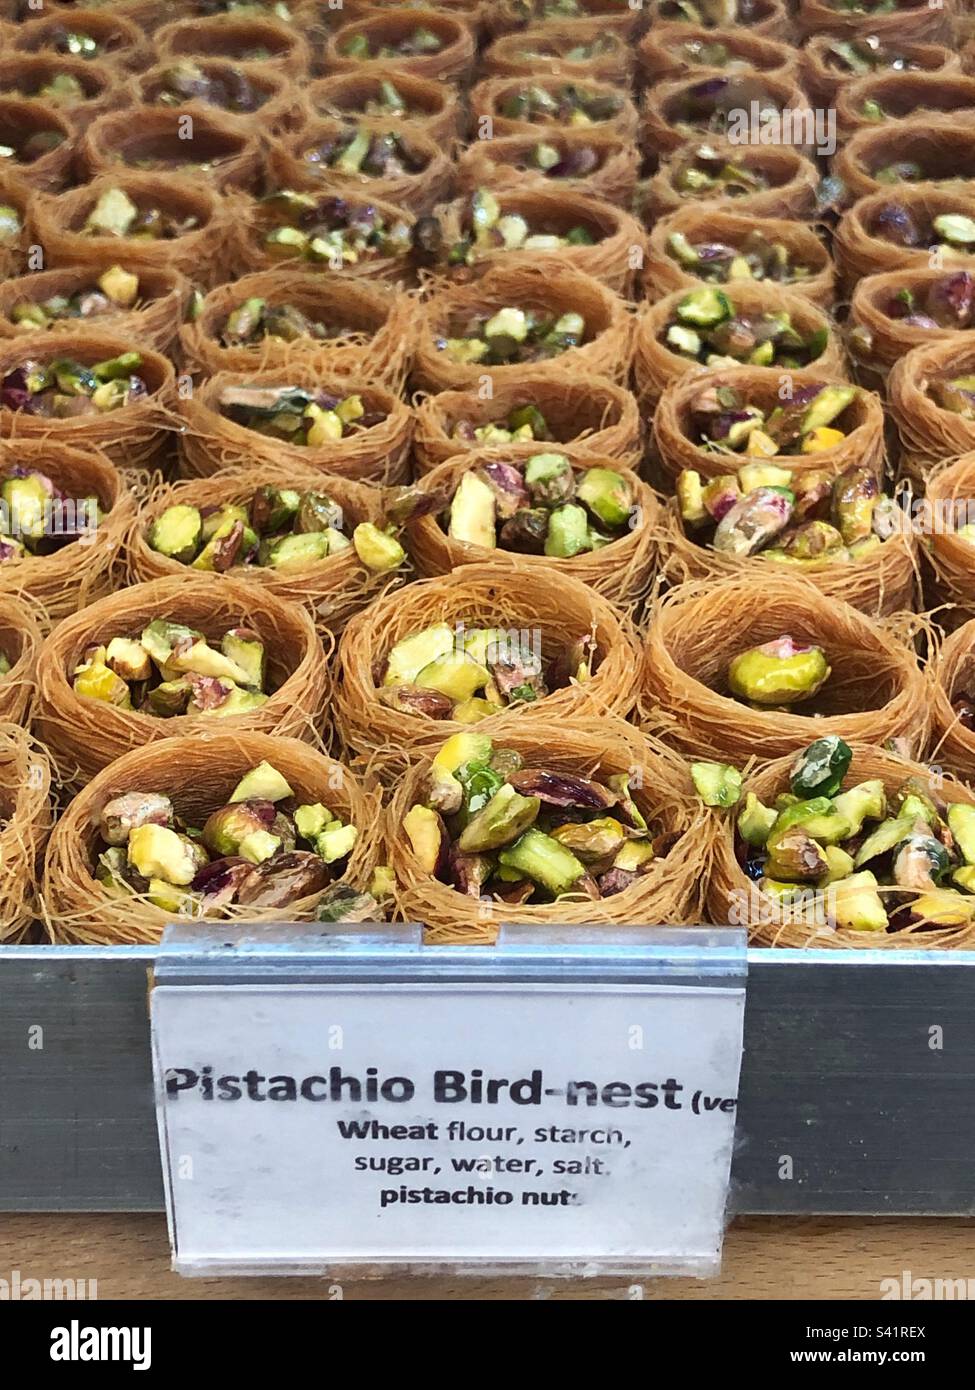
[[351, 1102]]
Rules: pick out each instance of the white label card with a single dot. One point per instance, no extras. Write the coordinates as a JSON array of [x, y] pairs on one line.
[[483, 1125]]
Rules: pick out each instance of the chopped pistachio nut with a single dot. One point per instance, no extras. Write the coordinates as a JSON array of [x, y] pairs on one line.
[[37, 517], [540, 507], [796, 518], [170, 669], [469, 673], [294, 415], [711, 14], [419, 42], [254, 321], [778, 674], [706, 328], [883, 861], [115, 214], [523, 422], [264, 848], [29, 147], [956, 394], [490, 827], [329, 231], [706, 172], [513, 335], [488, 228], [278, 528], [860, 57], [561, 104], [115, 290], [754, 258], [722, 421], [63, 388], [187, 81], [366, 152]]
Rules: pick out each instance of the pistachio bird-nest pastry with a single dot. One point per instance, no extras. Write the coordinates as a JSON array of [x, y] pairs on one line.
[[521, 106], [833, 61], [133, 217], [886, 855], [684, 47], [750, 323], [768, 181], [348, 325], [282, 529], [544, 645], [694, 107], [518, 313], [556, 821], [895, 312], [912, 227], [185, 654], [719, 246], [583, 50], [494, 227], [145, 304], [745, 667], [248, 35], [20, 641], [423, 41], [64, 513], [593, 415], [588, 515], [418, 103], [227, 86], [931, 392], [257, 776], [297, 415], [839, 530], [259, 850], [576, 159]]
